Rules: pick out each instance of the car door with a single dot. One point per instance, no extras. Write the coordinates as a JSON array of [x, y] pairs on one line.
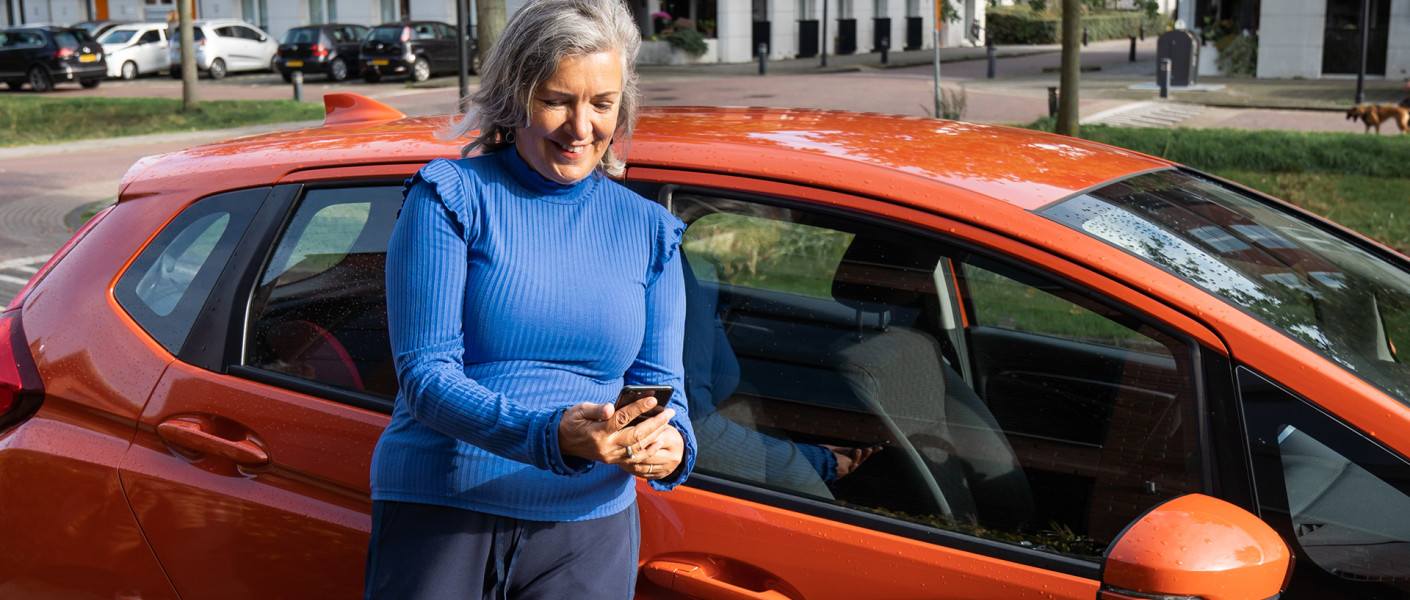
[[249, 474], [152, 55], [813, 320]]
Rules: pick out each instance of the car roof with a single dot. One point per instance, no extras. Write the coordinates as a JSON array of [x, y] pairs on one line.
[[853, 152], [407, 23], [139, 26]]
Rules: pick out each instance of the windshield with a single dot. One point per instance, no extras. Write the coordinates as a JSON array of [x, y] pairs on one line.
[[1321, 289], [117, 36]]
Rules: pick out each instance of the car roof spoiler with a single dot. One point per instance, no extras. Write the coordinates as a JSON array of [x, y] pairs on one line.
[[344, 108]]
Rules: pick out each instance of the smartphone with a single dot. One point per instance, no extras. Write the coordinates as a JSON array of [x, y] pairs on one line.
[[877, 446], [632, 393]]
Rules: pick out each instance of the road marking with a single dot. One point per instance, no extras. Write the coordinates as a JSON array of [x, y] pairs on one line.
[[1145, 114]]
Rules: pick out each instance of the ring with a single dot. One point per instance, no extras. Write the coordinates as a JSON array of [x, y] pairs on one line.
[[650, 469], [630, 454]]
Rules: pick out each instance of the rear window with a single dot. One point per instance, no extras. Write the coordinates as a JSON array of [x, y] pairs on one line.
[[66, 40], [386, 34], [300, 36]]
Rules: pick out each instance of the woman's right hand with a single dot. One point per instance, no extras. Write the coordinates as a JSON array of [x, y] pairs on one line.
[[600, 433]]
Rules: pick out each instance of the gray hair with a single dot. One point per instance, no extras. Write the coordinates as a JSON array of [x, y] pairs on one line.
[[539, 36]]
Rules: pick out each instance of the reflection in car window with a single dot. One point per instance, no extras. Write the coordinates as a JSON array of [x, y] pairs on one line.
[[66, 40], [320, 312], [1052, 423], [1342, 501], [1316, 286], [171, 279]]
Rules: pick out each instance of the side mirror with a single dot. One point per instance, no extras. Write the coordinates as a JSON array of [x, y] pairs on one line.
[[1196, 546]]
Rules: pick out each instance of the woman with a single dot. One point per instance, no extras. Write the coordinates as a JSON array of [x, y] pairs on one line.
[[524, 289]]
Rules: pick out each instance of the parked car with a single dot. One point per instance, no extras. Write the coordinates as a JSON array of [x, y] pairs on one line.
[[97, 28], [330, 49], [136, 49], [42, 56], [226, 46], [416, 49], [1093, 368]]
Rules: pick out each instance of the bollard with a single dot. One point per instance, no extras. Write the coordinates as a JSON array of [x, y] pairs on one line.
[[763, 58], [298, 79], [885, 48], [1142, 31], [1162, 76], [1052, 101], [1133, 49], [1084, 35], [993, 59]]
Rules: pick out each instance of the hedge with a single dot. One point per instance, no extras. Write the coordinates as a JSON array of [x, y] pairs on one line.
[[1020, 25]]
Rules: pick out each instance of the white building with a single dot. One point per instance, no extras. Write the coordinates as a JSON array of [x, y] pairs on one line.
[[1318, 38], [789, 28]]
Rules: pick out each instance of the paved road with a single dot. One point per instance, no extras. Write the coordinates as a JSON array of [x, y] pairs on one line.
[[39, 188]]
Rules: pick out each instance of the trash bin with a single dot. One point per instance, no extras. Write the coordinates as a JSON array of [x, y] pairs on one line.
[[1182, 48]]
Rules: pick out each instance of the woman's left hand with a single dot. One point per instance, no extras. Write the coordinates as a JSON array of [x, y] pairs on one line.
[[660, 458]]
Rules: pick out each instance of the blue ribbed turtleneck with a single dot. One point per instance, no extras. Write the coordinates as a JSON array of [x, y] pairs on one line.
[[509, 298]]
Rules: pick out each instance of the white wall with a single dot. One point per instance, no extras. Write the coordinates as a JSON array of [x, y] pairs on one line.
[[1290, 38], [735, 30], [1398, 50]]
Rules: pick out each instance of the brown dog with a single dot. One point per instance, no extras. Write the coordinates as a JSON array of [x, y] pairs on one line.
[[1373, 115]]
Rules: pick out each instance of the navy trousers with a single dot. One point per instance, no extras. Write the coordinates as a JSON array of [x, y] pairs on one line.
[[425, 552]]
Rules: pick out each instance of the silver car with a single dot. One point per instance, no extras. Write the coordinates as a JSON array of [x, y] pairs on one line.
[[225, 46], [136, 49]]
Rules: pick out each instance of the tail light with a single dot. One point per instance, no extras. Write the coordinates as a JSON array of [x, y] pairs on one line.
[[63, 53], [406, 34], [21, 391], [320, 51]]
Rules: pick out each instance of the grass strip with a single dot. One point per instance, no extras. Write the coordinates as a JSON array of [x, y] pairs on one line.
[[1273, 151], [33, 119]]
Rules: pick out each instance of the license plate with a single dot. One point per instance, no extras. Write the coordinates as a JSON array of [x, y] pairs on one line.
[[294, 63], [84, 58], [381, 62]]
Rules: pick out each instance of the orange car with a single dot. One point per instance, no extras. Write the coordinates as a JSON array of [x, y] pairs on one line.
[[1088, 369]]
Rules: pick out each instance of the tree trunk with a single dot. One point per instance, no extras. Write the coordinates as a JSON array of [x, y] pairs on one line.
[[489, 22], [1071, 67], [188, 57]]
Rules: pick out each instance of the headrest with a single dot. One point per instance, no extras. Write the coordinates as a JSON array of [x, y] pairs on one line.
[[879, 275]]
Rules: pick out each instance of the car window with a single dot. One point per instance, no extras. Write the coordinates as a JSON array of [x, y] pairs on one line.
[[66, 40], [300, 36], [152, 36], [386, 34], [118, 36], [1050, 421], [425, 31], [1341, 500], [319, 311], [226, 32], [166, 286], [248, 33], [354, 34]]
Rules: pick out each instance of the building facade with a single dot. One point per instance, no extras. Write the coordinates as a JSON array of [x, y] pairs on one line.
[[786, 28], [1321, 38]]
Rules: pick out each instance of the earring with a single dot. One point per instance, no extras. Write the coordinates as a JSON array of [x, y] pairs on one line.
[[509, 137]]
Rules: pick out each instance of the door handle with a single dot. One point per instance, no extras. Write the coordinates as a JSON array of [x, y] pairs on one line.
[[192, 436], [698, 581]]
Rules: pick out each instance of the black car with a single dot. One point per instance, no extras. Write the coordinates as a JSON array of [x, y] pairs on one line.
[[42, 56], [417, 49], [331, 49]]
